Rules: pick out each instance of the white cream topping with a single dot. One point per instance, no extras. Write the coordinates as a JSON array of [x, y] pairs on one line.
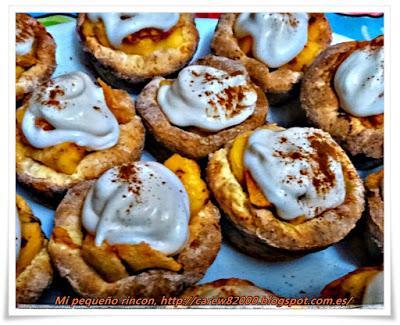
[[207, 98], [359, 82], [295, 171], [120, 25], [76, 109], [24, 37], [141, 202], [24, 46], [374, 292], [277, 37], [18, 235]]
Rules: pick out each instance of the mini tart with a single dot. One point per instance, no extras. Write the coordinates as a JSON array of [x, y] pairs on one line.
[[34, 272], [277, 83], [261, 233], [193, 142], [375, 213], [48, 184], [120, 68], [66, 246], [358, 135], [352, 285], [226, 288], [38, 65]]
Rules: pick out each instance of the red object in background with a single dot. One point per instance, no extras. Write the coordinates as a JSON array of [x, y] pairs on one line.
[[371, 14], [208, 14]]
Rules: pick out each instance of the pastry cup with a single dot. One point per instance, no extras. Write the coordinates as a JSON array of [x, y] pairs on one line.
[[45, 56], [196, 256], [192, 142], [260, 233], [375, 213], [49, 186], [32, 280], [279, 84], [122, 69], [352, 285], [319, 100], [227, 287]]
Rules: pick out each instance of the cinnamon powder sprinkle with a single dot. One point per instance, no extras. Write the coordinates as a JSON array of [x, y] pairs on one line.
[[52, 100], [130, 174], [43, 124], [228, 99], [56, 91], [322, 177]]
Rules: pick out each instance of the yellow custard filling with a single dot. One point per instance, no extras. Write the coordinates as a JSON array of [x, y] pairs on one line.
[[31, 235], [351, 285], [235, 156], [189, 173]]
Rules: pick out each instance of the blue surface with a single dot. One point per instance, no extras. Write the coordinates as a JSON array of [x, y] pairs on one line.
[[356, 27]]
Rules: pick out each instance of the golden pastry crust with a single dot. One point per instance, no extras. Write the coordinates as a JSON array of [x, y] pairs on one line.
[[49, 186], [191, 142], [196, 256], [31, 283], [375, 212], [37, 276], [321, 104], [226, 288], [45, 55], [351, 285], [115, 65], [276, 83], [260, 233]]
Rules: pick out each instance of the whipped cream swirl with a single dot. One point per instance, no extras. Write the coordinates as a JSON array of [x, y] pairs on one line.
[[207, 98], [277, 37], [120, 25], [140, 202], [359, 82], [374, 291], [76, 110], [296, 170]]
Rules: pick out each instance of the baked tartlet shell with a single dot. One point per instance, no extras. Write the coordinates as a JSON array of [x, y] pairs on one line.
[[336, 290], [374, 230], [227, 287], [36, 277], [259, 233], [322, 106], [46, 59], [280, 84], [196, 256], [193, 143], [124, 70], [44, 183]]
